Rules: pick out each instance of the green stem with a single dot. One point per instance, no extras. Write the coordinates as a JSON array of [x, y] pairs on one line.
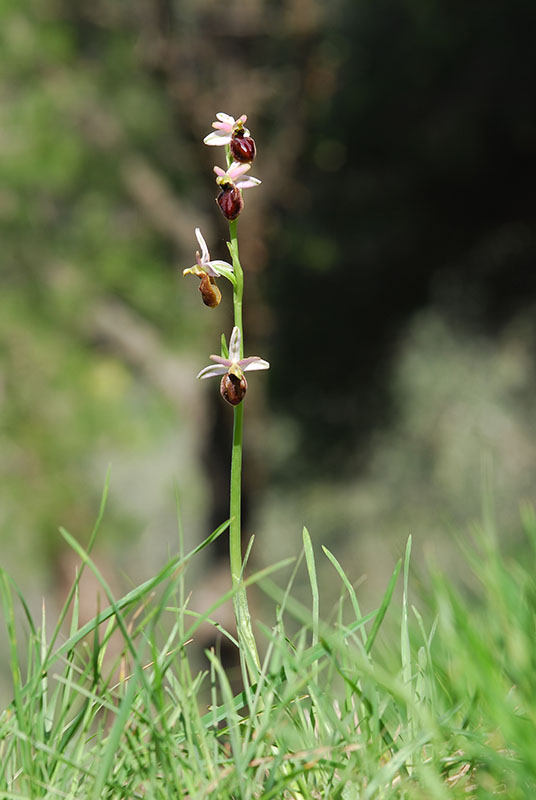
[[238, 289], [235, 544], [243, 617]]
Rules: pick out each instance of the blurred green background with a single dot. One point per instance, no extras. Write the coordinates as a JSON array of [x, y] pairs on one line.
[[390, 276]]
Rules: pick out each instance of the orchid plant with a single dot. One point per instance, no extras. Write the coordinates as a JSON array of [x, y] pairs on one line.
[[231, 365]]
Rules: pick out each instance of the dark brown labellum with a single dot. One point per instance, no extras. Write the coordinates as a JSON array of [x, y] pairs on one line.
[[230, 202], [209, 291], [243, 148], [233, 389]]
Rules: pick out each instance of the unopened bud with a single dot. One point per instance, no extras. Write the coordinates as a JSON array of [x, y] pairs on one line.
[[209, 291], [233, 389], [230, 201], [243, 148]]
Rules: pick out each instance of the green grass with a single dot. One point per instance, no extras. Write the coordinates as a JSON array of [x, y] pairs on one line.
[[398, 703]]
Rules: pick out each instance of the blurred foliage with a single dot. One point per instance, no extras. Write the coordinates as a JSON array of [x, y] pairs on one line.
[[463, 432], [416, 188], [82, 267]]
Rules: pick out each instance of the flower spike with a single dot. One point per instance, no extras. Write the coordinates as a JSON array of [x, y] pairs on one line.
[[233, 384]]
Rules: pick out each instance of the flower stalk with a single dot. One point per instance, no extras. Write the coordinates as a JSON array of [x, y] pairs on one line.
[[243, 617], [230, 366]]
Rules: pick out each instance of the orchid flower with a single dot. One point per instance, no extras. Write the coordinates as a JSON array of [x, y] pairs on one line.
[[234, 176], [232, 182], [205, 266], [226, 126], [207, 270], [233, 385]]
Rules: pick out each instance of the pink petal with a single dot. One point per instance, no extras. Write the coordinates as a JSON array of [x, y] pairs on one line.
[[212, 372], [219, 172], [234, 345], [205, 255], [247, 183], [236, 169], [253, 362], [220, 360], [217, 265], [217, 138]]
